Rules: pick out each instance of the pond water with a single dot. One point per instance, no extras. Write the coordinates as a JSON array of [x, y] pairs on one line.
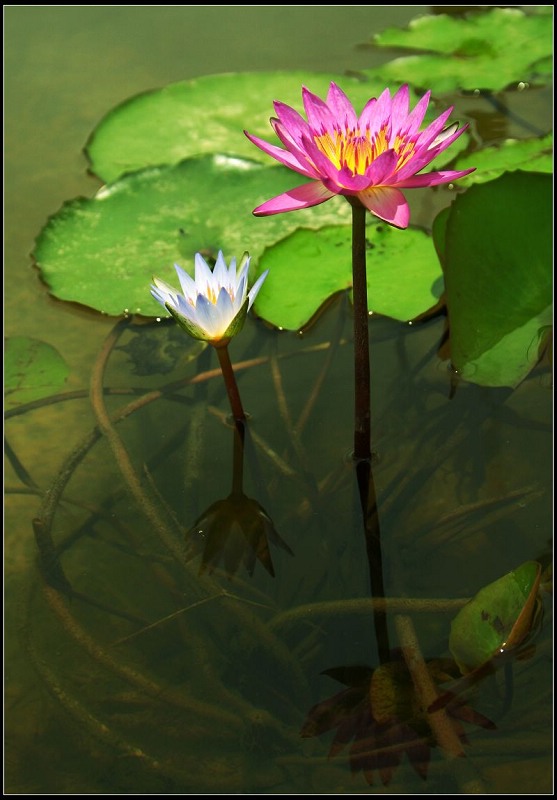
[[130, 670]]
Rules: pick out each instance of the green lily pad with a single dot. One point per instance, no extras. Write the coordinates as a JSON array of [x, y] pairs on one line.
[[404, 277], [495, 244], [102, 252], [489, 49], [497, 618], [531, 155], [32, 370], [209, 114]]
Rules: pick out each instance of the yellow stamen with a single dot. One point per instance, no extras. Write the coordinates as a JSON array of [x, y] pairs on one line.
[[355, 150]]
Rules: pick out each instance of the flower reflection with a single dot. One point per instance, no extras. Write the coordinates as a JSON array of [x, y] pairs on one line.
[[236, 530], [378, 712]]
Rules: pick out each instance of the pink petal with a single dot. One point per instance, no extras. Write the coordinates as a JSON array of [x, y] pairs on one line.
[[387, 203], [382, 168], [433, 178], [367, 113], [294, 124], [377, 115], [341, 107], [416, 116], [310, 194], [296, 148], [425, 138], [399, 113], [318, 113], [284, 156], [424, 156]]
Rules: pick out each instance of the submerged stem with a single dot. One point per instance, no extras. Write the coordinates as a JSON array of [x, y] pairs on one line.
[[238, 459], [230, 383], [372, 534]]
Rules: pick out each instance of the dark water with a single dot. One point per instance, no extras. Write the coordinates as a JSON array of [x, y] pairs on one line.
[[133, 673]]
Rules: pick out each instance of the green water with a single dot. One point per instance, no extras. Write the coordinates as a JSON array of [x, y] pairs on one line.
[[152, 678]]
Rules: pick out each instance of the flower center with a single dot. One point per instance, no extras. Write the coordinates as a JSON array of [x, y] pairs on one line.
[[211, 293], [356, 150]]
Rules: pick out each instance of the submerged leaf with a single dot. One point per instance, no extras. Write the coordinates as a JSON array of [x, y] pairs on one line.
[[32, 370]]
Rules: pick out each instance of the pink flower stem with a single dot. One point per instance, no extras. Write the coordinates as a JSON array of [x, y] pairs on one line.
[[362, 427], [230, 383]]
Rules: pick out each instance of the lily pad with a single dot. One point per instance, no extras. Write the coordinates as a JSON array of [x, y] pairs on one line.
[[495, 244], [102, 252], [489, 49], [32, 370], [497, 618], [531, 155], [209, 114], [404, 277]]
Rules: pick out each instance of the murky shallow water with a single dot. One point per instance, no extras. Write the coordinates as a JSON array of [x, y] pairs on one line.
[[149, 678]]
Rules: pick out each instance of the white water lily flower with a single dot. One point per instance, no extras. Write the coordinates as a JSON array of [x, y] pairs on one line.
[[213, 307]]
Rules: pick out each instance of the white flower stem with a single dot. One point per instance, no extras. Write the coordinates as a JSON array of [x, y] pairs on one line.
[[230, 383]]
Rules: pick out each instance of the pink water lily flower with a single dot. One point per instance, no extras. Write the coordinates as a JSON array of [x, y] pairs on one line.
[[371, 157]]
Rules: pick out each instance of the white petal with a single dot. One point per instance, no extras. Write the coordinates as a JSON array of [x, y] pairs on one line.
[[205, 314], [256, 287], [220, 273], [241, 288], [203, 275], [188, 284], [225, 311]]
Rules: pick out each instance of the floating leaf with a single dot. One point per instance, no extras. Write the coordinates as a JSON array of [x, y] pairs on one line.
[[496, 250], [103, 252], [530, 155], [489, 49], [404, 277], [498, 618], [207, 115], [32, 370]]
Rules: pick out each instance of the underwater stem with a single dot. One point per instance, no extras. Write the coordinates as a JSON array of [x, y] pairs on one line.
[[230, 383], [238, 459], [372, 534]]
